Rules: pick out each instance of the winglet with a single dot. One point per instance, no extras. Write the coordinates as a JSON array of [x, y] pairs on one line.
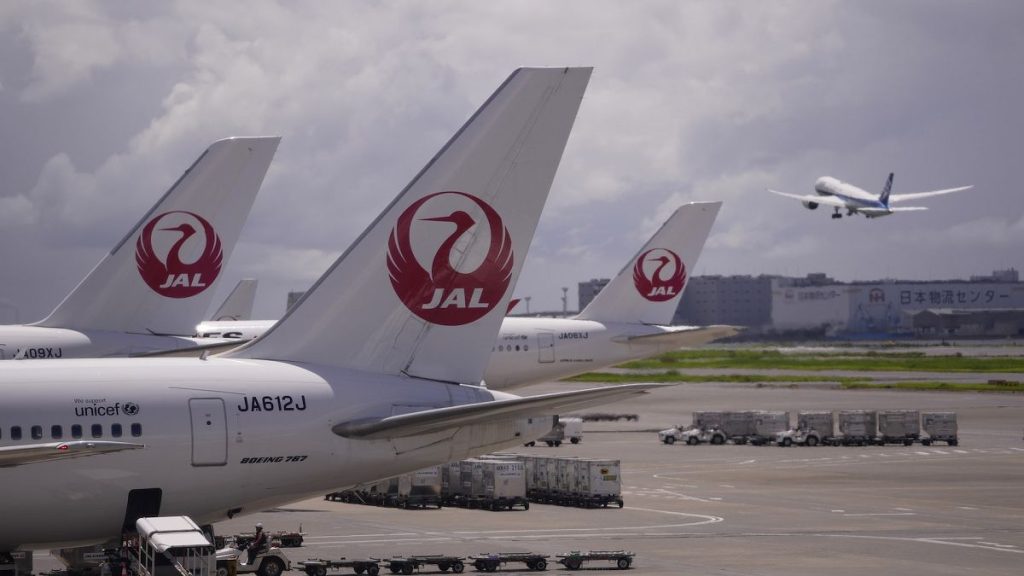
[[648, 288], [423, 290], [161, 276]]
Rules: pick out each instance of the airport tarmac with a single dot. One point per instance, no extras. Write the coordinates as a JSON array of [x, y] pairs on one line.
[[738, 509]]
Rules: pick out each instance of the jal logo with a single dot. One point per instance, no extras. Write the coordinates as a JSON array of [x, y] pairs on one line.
[[659, 275], [178, 254], [463, 283]]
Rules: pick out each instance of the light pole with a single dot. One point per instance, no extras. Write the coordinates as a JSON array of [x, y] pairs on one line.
[[527, 298], [565, 301]]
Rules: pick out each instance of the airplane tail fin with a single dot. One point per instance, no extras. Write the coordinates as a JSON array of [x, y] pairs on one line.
[[160, 277], [647, 290], [423, 290], [238, 304], [884, 196]]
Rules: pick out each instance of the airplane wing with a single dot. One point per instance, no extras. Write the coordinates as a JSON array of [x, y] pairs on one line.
[[826, 200], [686, 335], [906, 208], [32, 453], [438, 419], [895, 198]]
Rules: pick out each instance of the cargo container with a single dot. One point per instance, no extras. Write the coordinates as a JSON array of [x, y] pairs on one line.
[[899, 426], [595, 483], [767, 424], [418, 489], [939, 427], [857, 427], [706, 419], [489, 484]]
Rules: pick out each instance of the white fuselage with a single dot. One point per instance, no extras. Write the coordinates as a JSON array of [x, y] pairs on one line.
[[529, 350], [37, 343], [856, 199], [222, 436]]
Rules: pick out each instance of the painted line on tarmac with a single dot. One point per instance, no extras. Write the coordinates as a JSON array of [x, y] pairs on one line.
[[945, 541], [360, 535]]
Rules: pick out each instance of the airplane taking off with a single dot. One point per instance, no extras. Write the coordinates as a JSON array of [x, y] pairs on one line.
[[628, 319], [845, 196], [363, 378], [147, 293]]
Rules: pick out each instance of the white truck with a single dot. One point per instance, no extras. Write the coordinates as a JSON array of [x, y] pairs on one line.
[[813, 428], [568, 428]]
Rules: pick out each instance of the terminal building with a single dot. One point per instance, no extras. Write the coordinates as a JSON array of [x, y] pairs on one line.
[[817, 305]]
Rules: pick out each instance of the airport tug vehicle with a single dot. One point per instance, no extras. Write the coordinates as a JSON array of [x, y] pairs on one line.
[[271, 562]]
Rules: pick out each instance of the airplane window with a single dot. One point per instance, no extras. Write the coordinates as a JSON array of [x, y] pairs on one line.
[[56, 432], [526, 348], [76, 431], [97, 431], [15, 432], [136, 429], [37, 432], [517, 348], [115, 430]]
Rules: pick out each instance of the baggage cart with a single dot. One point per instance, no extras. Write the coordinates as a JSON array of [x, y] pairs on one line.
[[574, 560], [409, 564], [320, 566], [492, 561], [899, 426]]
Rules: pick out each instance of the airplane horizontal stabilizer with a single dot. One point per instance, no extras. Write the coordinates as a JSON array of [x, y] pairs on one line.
[[439, 419], [648, 288], [32, 453], [422, 292], [194, 351], [896, 198], [686, 335], [817, 199]]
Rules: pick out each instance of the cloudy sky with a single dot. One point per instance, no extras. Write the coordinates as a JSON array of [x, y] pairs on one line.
[[103, 105]]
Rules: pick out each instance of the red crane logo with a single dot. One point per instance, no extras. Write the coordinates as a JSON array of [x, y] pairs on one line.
[[173, 277], [445, 295], [655, 286]]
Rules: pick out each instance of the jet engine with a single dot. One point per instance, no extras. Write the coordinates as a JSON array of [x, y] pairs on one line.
[[810, 205]]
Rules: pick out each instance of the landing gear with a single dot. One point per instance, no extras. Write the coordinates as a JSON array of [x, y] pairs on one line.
[[836, 215]]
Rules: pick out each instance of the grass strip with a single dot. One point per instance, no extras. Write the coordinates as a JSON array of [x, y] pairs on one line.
[[866, 362]]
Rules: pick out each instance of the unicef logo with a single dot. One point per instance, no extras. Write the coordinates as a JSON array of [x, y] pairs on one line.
[[131, 409]]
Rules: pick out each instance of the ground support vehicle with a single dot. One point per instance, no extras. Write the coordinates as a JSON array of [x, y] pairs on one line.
[[272, 562], [554, 437], [172, 546], [939, 427], [320, 567], [409, 564], [899, 427], [574, 560], [282, 538], [812, 429], [694, 435], [491, 562], [767, 425], [857, 428]]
